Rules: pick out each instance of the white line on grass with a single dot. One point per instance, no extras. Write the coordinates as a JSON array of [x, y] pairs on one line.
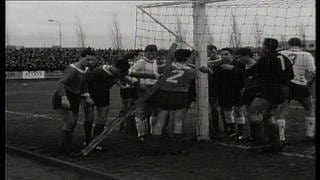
[[248, 147], [219, 143]]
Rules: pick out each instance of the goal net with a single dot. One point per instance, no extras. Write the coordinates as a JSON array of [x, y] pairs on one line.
[[223, 23], [230, 23]]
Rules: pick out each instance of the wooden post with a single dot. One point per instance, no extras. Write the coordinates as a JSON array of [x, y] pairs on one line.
[[200, 38]]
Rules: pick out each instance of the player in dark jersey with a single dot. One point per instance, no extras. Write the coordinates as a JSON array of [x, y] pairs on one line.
[[128, 93], [228, 86], [173, 93], [274, 72], [67, 97], [100, 80], [251, 85]]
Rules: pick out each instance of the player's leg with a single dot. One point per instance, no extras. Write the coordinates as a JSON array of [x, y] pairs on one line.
[[214, 117], [271, 116], [240, 121], [70, 118], [160, 122], [124, 107], [88, 121], [178, 115], [102, 114], [281, 121], [309, 117], [229, 119], [257, 106], [140, 121]]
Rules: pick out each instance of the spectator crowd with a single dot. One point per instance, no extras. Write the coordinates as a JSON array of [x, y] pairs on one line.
[[50, 59]]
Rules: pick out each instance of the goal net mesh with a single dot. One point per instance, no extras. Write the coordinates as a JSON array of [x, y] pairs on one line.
[[230, 23]]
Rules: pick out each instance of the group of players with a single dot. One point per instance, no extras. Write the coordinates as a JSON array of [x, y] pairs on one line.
[[243, 86]]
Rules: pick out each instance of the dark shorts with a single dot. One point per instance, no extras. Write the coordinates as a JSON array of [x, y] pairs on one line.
[[298, 92], [128, 93], [100, 98], [74, 100], [170, 100], [227, 100], [276, 94], [249, 94]]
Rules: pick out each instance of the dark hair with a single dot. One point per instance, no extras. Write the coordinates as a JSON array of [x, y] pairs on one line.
[[271, 43], [122, 64], [182, 55], [86, 52], [227, 49], [294, 42], [243, 52], [211, 47], [151, 47]]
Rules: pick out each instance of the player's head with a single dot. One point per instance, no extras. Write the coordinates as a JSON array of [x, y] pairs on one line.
[[226, 55], [87, 57], [243, 54], [151, 51], [212, 51], [120, 67], [270, 44], [295, 42], [182, 55]]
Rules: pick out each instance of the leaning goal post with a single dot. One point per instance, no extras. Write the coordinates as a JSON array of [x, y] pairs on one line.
[[223, 23]]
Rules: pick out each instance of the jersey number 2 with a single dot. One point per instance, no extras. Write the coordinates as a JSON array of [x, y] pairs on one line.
[[173, 79]]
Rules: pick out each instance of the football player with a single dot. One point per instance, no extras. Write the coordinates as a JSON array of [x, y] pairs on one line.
[[173, 93], [299, 88], [100, 80], [67, 97]]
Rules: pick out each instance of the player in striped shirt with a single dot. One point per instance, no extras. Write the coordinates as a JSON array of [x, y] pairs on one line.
[[304, 73]]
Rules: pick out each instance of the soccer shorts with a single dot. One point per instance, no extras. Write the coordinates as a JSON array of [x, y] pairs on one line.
[[229, 99], [249, 94], [298, 92], [276, 94], [74, 100], [168, 100], [100, 98], [128, 93]]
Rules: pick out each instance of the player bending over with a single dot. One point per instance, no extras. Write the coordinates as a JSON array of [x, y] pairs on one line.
[[100, 80]]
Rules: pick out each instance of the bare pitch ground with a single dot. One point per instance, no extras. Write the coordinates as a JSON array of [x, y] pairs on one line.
[[32, 125]]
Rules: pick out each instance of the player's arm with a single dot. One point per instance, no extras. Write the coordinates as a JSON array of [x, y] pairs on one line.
[[85, 91], [310, 73], [170, 55], [61, 90]]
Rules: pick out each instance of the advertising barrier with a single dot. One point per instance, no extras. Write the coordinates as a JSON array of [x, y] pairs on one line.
[[53, 74], [33, 74], [13, 75]]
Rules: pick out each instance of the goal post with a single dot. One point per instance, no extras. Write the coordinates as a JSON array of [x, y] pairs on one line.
[[223, 23]]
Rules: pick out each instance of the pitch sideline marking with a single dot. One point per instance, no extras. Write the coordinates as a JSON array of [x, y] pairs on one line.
[[219, 143], [247, 148], [41, 116]]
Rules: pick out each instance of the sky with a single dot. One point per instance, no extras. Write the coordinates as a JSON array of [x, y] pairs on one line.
[[27, 22]]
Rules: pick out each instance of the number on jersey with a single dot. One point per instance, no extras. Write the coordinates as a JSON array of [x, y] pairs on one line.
[[177, 74]]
